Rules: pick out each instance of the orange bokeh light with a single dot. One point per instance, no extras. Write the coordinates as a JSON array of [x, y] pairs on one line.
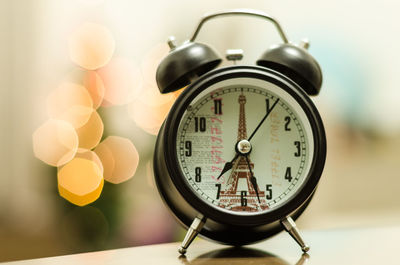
[[93, 83], [122, 81], [90, 134], [152, 97], [91, 156], [88, 155], [120, 154], [91, 46], [147, 117], [55, 142], [80, 181], [70, 102], [107, 159]]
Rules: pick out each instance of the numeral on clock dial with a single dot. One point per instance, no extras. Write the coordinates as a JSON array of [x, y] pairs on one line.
[[197, 176], [188, 146], [287, 121], [200, 124], [288, 174], [217, 106], [297, 144], [243, 199], [268, 190]]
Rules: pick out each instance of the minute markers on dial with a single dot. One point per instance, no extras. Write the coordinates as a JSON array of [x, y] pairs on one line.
[[201, 147]]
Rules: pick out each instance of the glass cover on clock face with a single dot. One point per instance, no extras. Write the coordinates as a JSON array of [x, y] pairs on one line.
[[269, 163]]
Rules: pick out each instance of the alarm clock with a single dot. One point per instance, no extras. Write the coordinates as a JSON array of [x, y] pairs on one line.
[[242, 149]]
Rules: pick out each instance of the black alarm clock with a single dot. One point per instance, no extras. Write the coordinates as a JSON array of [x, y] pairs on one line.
[[241, 151]]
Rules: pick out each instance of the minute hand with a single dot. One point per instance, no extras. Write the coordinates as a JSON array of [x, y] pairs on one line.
[[263, 119]]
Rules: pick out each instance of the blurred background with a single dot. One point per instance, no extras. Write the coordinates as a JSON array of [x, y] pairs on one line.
[[107, 52]]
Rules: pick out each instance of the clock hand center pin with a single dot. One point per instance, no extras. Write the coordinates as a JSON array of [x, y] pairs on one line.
[[243, 147]]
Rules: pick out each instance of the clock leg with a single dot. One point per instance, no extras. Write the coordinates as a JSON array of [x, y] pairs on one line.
[[291, 228], [191, 234]]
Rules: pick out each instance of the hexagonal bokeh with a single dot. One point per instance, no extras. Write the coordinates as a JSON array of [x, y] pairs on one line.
[[70, 102], [151, 108], [90, 134], [89, 79], [122, 81], [80, 181], [55, 142], [119, 157], [91, 46], [106, 158], [88, 155], [147, 117], [95, 86]]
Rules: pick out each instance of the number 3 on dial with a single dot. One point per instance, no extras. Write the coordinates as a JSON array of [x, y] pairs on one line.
[[297, 144]]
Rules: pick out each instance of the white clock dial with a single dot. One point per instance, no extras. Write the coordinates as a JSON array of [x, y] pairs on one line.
[[281, 148]]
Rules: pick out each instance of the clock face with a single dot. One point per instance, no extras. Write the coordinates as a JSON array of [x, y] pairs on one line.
[[271, 157]]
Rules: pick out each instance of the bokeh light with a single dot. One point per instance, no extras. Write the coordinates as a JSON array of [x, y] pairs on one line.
[[151, 107], [124, 162], [91, 156], [152, 97], [90, 134], [107, 159], [122, 81], [147, 117], [80, 181], [93, 83], [91, 46], [70, 102], [55, 142]]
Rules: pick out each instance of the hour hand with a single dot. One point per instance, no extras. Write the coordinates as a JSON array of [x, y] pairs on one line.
[[228, 165]]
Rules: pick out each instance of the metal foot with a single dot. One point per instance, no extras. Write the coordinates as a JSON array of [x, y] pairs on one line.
[[291, 228], [191, 234]]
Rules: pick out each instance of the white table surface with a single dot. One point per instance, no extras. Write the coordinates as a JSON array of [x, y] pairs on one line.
[[379, 245]]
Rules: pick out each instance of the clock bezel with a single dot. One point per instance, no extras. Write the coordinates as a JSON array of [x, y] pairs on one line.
[[170, 137]]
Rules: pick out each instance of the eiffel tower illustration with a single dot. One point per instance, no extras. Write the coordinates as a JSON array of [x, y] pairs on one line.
[[230, 198]]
